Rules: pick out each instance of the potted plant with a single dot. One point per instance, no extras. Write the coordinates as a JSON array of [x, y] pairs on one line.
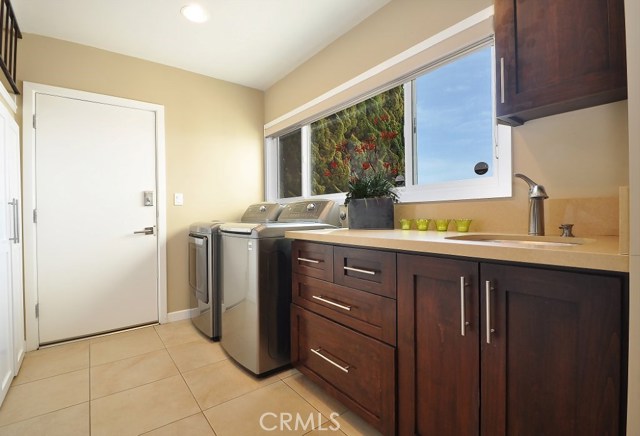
[[371, 192], [360, 151], [370, 200]]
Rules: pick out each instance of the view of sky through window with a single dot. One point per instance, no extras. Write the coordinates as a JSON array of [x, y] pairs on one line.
[[454, 116]]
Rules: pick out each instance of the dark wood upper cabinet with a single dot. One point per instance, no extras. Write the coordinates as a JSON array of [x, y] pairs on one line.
[[555, 56]]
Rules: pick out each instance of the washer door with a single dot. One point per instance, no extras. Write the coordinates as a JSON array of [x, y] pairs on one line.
[[198, 266]]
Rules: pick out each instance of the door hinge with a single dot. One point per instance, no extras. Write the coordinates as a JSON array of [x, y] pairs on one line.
[[34, 121], [37, 310], [35, 216]]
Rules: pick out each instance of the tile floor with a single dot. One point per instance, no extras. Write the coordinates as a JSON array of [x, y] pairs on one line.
[[161, 380]]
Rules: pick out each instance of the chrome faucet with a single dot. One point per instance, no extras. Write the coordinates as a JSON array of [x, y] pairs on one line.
[[537, 195]]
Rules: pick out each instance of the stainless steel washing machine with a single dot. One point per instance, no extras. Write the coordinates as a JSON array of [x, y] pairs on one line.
[[256, 284], [204, 267]]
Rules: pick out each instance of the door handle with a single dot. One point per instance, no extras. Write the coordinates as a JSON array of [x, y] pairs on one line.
[[146, 231]]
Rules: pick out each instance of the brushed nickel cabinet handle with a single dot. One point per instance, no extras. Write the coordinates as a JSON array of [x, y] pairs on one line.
[[340, 367], [16, 217], [501, 80], [304, 259], [363, 271], [488, 288], [463, 321], [333, 303]]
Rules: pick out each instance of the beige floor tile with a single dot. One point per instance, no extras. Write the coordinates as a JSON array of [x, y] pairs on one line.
[[132, 372], [180, 332], [197, 354], [196, 425], [124, 345], [314, 394], [142, 409], [119, 334], [221, 381], [288, 373], [43, 396], [274, 409], [352, 425], [72, 421], [325, 429], [48, 362]]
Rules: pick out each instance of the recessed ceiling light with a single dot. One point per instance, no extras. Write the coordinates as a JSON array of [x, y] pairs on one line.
[[195, 13]]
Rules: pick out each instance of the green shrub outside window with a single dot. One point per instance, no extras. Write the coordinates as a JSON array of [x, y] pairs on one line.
[[358, 141]]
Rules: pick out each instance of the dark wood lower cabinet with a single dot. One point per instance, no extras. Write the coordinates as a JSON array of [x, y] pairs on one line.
[[356, 369], [438, 359], [542, 353], [553, 364]]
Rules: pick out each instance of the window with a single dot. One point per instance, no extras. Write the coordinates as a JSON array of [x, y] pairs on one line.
[[454, 120], [290, 164], [435, 135]]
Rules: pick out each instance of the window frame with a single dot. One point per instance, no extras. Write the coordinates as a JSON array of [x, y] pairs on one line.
[[498, 185]]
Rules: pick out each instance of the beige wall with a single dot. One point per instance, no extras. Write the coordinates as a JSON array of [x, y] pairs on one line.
[[396, 27], [578, 154], [632, 10], [214, 147]]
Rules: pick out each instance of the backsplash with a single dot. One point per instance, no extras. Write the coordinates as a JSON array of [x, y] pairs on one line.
[[590, 216]]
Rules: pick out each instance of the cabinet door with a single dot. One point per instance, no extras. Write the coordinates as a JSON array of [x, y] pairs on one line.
[[7, 230], [554, 56], [14, 196], [552, 364], [438, 346]]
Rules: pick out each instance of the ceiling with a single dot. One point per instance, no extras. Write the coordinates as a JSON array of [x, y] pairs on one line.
[[250, 42]]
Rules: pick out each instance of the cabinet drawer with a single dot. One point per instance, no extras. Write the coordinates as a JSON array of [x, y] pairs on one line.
[[311, 259], [368, 270], [368, 313], [359, 370]]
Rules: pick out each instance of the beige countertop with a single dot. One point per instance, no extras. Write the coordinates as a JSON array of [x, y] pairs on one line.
[[601, 252]]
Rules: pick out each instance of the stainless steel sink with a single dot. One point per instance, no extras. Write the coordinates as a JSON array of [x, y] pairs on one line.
[[522, 240]]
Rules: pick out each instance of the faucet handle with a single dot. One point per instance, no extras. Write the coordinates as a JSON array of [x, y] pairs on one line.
[[566, 230], [535, 190]]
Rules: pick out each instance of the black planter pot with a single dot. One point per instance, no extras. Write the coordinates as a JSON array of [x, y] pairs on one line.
[[370, 213]]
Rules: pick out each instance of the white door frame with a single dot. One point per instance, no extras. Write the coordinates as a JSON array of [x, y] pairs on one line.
[[30, 90]]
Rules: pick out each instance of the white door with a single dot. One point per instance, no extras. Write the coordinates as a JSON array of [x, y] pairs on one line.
[[93, 164]]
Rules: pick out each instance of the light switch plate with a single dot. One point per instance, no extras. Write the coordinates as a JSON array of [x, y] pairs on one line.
[[178, 199], [148, 198]]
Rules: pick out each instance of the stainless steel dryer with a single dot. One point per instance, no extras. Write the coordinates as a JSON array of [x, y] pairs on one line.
[[204, 248], [204, 267], [256, 284]]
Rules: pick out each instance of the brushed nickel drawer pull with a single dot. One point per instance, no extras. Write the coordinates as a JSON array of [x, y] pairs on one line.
[[304, 259], [363, 271], [340, 367], [333, 303]]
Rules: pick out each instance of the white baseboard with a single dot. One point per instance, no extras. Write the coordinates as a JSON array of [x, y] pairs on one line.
[[179, 315]]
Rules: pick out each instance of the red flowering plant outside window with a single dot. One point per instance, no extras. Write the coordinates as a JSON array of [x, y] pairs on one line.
[[361, 143]]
